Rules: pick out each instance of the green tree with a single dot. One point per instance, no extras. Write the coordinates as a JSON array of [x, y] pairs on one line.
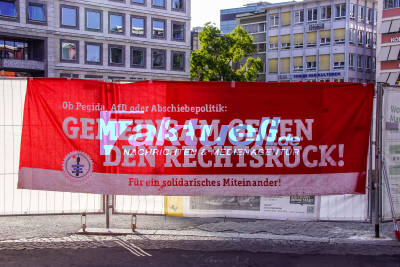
[[225, 57]]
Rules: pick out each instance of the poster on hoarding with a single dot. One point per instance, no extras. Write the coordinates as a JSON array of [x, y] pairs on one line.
[[195, 138], [391, 146]]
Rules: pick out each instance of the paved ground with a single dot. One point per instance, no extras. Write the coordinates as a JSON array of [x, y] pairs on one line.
[[46, 240], [121, 257]]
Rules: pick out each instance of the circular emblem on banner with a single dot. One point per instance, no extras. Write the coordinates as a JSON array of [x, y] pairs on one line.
[[78, 166]]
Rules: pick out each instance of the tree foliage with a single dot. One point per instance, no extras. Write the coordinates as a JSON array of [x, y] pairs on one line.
[[224, 57]]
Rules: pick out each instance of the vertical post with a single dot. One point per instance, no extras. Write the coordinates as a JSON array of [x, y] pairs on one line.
[[378, 162], [107, 206]]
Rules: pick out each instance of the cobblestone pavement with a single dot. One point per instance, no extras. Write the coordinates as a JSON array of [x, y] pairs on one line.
[[207, 234]]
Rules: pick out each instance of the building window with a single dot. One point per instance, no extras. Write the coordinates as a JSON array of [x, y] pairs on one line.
[[116, 23], [138, 57], [299, 16], [140, 2], [178, 31], [158, 58], [369, 15], [36, 12], [261, 47], [158, 26], [360, 61], [94, 20], [361, 13], [178, 61], [369, 63], [391, 4], [93, 77], [178, 5], [8, 9], [10, 49], [69, 51], [312, 14], [159, 3], [138, 26], [273, 46], [351, 61], [353, 11], [340, 11], [353, 36], [69, 75], [116, 55], [326, 12], [311, 65], [273, 20], [338, 65], [360, 38], [325, 41], [93, 53], [69, 16]]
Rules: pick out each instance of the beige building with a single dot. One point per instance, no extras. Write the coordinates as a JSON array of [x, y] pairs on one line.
[[97, 39], [315, 40]]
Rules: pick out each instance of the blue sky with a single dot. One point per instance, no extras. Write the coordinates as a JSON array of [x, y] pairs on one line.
[[208, 10]]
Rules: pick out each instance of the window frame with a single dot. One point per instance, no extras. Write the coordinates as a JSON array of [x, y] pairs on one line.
[[36, 3], [341, 16], [176, 9], [152, 29], [17, 12], [276, 20], [101, 19], [144, 26], [172, 31], [172, 60], [101, 54], [325, 8], [140, 4], [313, 65], [138, 48], [76, 27], [76, 42], [312, 14], [295, 15], [110, 13], [159, 7], [165, 59], [109, 55]]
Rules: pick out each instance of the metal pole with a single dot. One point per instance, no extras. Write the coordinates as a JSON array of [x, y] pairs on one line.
[[107, 211], [378, 168]]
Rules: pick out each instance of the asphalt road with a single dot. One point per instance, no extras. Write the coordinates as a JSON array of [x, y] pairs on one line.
[[120, 256]]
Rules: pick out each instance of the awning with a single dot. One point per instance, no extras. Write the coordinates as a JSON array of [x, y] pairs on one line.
[[393, 78], [385, 26], [395, 26], [383, 77], [383, 53], [394, 52]]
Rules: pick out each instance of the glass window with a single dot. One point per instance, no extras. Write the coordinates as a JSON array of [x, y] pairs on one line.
[[36, 12], [178, 4], [93, 20], [158, 59], [93, 53], [158, 28], [116, 55], [299, 16], [69, 16], [178, 61], [341, 11], [273, 20], [138, 2], [138, 26], [178, 31], [69, 50], [116, 23], [326, 12], [353, 11], [138, 57], [313, 14], [159, 3], [8, 9]]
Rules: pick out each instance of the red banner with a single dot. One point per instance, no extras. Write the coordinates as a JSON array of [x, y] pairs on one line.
[[195, 138]]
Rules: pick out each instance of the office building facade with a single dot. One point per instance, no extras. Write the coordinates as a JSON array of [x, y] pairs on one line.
[[388, 60], [228, 20], [96, 39], [312, 40]]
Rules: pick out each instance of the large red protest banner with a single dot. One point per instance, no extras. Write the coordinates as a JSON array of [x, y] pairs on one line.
[[195, 138]]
